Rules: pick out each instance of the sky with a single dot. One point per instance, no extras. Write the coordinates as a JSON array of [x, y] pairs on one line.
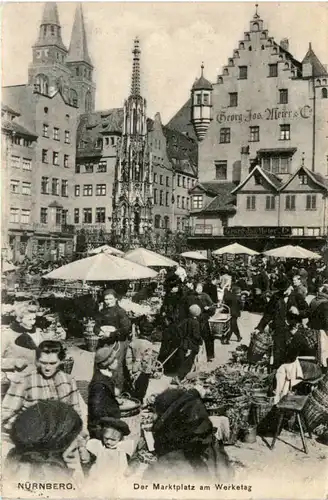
[[174, 38]]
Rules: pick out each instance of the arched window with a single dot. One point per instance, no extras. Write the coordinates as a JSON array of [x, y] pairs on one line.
[[262, 47], [318, 82], [157, 221], [220, 79], [324, 81], [73, 97], [88, 101], [42, 84], [286, 65], [166, 222], [241, 45], [225, 71], [256, 26], [247, 37], [250, 48], [275, 50], [236, 53], [324, 93]]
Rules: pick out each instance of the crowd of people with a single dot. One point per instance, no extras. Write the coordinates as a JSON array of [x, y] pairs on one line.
[[50, 431]]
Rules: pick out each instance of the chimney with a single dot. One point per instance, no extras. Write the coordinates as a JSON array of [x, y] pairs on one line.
[[284, 43], [244, 164]]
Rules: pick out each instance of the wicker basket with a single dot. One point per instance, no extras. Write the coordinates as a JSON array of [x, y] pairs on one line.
[[91, 342], [260, 409], [67, 365], [314, 413]]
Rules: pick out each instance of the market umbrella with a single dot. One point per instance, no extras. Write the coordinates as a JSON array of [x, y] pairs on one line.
[[291, 252], [309, 254], [193, 255], [7, 267], [235, 249], [148, 258], [105, 248], [101, 267]]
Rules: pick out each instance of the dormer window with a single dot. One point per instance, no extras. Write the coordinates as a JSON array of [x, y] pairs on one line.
[[303, 179]]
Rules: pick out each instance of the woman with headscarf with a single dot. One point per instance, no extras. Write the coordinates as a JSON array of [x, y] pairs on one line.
[[113, 325], [45, 437], [184, 440]]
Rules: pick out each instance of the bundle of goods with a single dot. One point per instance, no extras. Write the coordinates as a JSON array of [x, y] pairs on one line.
[[239, 355], [316, 407], [128, 406], [260, 346], [147, 363], [135, 310]]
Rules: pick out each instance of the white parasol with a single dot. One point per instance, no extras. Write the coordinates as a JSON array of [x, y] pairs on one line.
[[193, 255], [292, 252], [148, 258], [235, 249], [105, 248]]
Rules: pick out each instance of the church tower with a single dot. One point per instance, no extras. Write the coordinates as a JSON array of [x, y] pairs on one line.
[[48, 70], [80, 64], [132, 195]]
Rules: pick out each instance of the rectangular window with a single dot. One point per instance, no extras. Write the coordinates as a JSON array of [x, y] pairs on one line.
[[155, 196], [178, 201], [66, 159], [14, 186], [276, 164], [290, 202], [198, 99], [76, 216], [273, 70], [55, 157], [67, 137], [25, 216], [167, 181], [77, 168], [188, 183], [26, 188], [188, 203], [161, 198], [243, 72], [64, 217], [27, 164], [77, 190], [15, 161], [56, 134], [102, 166], [89, 168], [157, 221], [101, 190], [55, 187], [87, 190], [100, 214], [161, 180], [251, 202], [87, 216], [64, 188], [14, 215], [44, 216], [254, 134], [58, 216], [311, 202], [178, 223], [184, 182], [179, 180], [283, 96], [221, 168], [225, 135], [297, 231], [44, 185], [45, 130], [206, 99], [183, 202], [233, 99], [303, 179], [284, 132], [44, 156], [197, 201], [313, 231], [270, 203], [167, 199]]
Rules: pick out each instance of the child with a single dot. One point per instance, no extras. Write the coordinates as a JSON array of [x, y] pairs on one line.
[[112, 452]]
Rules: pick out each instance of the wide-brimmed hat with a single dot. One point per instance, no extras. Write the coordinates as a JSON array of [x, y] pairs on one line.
[[115, 423], [107, 354]]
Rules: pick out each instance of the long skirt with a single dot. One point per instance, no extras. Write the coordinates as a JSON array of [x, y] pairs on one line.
[[121, 377]]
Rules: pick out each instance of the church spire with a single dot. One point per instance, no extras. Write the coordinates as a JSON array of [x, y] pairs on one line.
[[78, 49], [135, 83], [50, 29]]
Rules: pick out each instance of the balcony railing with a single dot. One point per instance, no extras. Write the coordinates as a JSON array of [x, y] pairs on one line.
[[206, 230]]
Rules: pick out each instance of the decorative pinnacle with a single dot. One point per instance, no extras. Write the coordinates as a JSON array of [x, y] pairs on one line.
[[135, 83], [256, 15], [303, 159], [202, 69]]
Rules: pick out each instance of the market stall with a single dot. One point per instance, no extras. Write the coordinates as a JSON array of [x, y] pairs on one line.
[[292, 252]]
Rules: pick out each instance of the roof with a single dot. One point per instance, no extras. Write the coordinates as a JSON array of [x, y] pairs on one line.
[[50, 14], [20, 98], [202, 84], [318, 68], [50, 17], [181, 121], [10, 110], [11, 126], [272, 179], [314, 176], [224, 200], [78, 49], [182, 151], [214, 188]]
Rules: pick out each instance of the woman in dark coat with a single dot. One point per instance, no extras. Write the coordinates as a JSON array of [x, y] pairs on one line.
[[275, 315], [184, 440], [112, 315]]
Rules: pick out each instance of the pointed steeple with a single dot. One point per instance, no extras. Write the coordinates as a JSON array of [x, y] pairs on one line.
[[78, 49], [135, 83], [312, 60], [50, 29]]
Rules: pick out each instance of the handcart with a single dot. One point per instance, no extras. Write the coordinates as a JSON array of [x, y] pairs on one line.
[[220, 322]]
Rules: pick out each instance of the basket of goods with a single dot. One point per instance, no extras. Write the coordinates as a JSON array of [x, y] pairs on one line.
[[91, 340], [316, 406], [261, 405], [5, 383], [129, 406], [149, 364], [67, 365], [220, 322], [260, 345]]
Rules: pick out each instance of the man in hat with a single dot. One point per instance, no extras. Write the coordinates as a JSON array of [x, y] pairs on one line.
[[233, 301], [102, 400]]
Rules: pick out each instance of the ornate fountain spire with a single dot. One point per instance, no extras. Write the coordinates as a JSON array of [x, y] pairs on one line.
[[135, 83]]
